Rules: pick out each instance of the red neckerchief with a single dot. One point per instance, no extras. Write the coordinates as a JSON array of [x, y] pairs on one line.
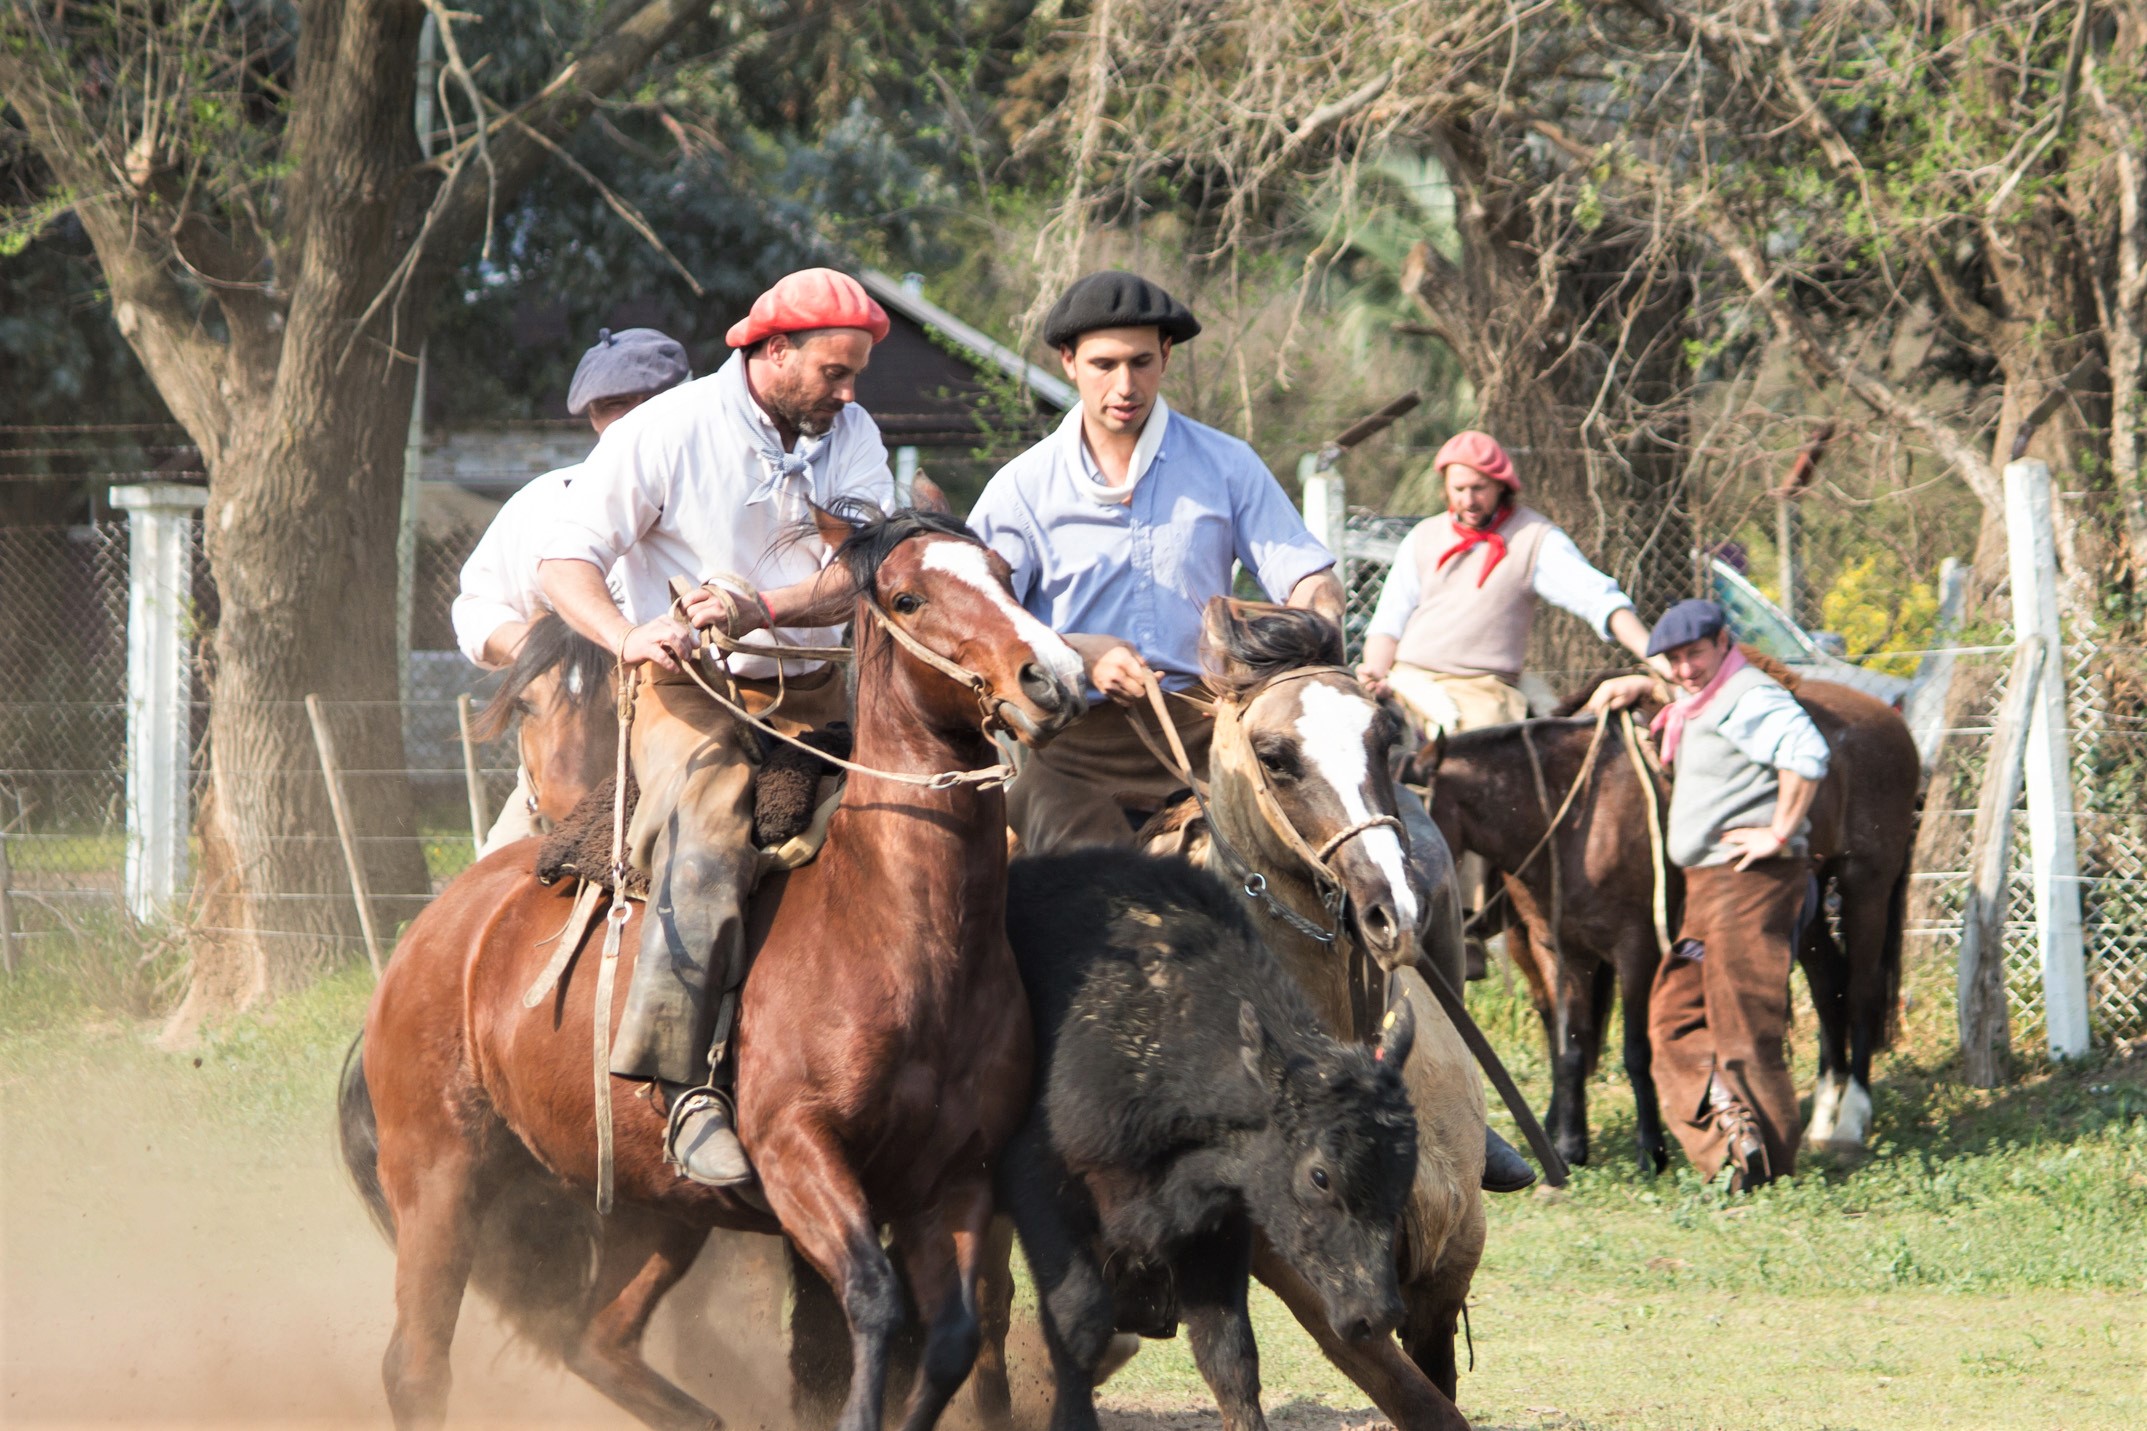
[[1471, 536]]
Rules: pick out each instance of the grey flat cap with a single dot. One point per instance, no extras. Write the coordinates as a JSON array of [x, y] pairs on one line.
[[1692, 620], [1112, 299], [627, 363]]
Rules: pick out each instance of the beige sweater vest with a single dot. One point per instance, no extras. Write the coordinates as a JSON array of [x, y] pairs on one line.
[[1460, 628]]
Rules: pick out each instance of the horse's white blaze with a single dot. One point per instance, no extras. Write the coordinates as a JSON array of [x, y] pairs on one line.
[[574, 679], [1826, 1110], [968, 563], [1855, 1119], [1330, 727]]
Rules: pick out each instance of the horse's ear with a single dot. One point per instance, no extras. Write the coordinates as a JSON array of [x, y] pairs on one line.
[[1253, 1045], [1425, 764], [833, 529], [1220, 624], [928, 496]]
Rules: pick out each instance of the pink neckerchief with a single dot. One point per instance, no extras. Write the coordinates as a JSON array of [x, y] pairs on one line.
[[1669, 723]]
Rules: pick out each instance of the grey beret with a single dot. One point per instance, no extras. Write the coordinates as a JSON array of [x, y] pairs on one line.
[[1112, 299], [627, 363], [1692, 620]]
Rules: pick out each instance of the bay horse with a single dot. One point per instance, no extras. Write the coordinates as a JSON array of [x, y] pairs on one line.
[[1301, 789], [559, 687], [1484, 797], [884, 1043]]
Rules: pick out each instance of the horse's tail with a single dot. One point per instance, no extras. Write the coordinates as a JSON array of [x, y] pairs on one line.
[[358, 1133], [536, 1240], [1890, 957]]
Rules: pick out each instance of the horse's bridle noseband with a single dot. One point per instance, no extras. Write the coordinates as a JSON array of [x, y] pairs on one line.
[[1333, 896]]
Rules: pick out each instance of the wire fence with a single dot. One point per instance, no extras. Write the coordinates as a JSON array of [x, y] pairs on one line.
[[1869, 592], [1865, 603]]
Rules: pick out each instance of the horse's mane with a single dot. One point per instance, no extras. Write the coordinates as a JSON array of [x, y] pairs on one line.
[[1264, 641], [551, 643], [874, 534]]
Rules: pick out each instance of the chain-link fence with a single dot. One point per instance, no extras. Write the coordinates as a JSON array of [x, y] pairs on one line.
[[63, 720], [1869, 601]]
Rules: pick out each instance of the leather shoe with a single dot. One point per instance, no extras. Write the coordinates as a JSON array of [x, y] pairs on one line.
[[1747, 1160], [1505, 1171], [702, 1139]]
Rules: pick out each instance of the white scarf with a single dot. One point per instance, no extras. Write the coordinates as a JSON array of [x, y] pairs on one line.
[[786, 477], [1102, 493]]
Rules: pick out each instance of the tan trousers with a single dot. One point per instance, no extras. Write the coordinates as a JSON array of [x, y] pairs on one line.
[[517, 820], [1448, 704], [1454, 703], [1082, 788], [692, 830], [1726, 1014]]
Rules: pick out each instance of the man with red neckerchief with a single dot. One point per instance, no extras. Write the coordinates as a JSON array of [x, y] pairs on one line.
[[1451, 629]]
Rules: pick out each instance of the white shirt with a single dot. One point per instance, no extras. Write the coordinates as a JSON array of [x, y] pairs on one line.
[[499, 581], [1771, 729], [679, 487], [1563, 577]]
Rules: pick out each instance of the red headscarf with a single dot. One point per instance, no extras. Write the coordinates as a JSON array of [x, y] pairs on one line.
[[810, 298]]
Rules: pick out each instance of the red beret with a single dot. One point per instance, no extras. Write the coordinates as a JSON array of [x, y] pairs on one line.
[[1480, 451], [810, 298]]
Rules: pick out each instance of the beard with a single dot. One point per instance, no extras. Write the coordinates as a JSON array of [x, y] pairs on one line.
[[794, 411]]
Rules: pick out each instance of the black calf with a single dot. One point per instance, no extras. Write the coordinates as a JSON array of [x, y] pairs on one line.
[[1186, 1098]]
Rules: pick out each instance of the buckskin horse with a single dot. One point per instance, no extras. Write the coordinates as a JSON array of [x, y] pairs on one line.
[[1302, 798], [560, 685], [884, 1041], [1596, 928]]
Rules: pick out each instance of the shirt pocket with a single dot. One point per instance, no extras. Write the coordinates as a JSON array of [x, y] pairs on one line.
[[1194, 550]]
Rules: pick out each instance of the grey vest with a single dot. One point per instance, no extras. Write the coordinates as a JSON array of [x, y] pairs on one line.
[[1717, 787]]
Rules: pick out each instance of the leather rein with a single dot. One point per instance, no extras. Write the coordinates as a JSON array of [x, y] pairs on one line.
[[1000, 717], [1333, 895]]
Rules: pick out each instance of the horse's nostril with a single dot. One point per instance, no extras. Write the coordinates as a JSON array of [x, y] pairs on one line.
[[1377, 922], [1040, 686]]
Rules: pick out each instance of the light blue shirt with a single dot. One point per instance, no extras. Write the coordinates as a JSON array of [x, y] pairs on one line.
[[1769, 727], [1144, 569]]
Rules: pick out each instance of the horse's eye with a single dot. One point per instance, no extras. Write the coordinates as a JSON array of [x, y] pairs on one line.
[[907, 603], [1279, 761], [1319, 1179]]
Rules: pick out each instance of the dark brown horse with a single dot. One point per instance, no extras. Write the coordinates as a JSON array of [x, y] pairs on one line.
[[559, 687], [883, 1055], [1484, 797]]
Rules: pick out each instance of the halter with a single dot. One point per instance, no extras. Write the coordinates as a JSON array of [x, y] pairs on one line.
[[1333, 896]]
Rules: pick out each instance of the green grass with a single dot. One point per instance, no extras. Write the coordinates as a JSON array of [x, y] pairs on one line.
[[1985, 1266]]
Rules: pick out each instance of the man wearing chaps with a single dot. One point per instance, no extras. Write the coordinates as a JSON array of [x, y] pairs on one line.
[[715, 481], [1748, 761]]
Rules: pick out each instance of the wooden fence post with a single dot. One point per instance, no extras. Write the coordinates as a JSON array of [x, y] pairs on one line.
[[471, 780], [345, 831], [7, 909], [2031, 544], [1980, 984]]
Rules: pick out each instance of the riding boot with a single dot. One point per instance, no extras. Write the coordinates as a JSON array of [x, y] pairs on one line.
[[702, 1134], [1747, 1153], [692, 953], [1505, 1170]]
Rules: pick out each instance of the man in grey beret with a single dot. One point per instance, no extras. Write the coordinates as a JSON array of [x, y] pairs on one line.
[[501, 596]]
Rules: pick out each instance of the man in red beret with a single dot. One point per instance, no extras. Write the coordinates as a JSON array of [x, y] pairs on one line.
[[715, 481], [1451, 629]]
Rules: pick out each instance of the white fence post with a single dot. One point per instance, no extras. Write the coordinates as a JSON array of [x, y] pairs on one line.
[[2054, 856], [160, 582], [1326, 512]]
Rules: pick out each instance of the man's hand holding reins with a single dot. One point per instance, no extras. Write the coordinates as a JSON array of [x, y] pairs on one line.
[[1620, 692], [1114, 667], [666, 642]]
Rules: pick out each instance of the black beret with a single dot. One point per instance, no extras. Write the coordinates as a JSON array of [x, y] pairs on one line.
[[1112, 299], [627, 363], [1692, 620]]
